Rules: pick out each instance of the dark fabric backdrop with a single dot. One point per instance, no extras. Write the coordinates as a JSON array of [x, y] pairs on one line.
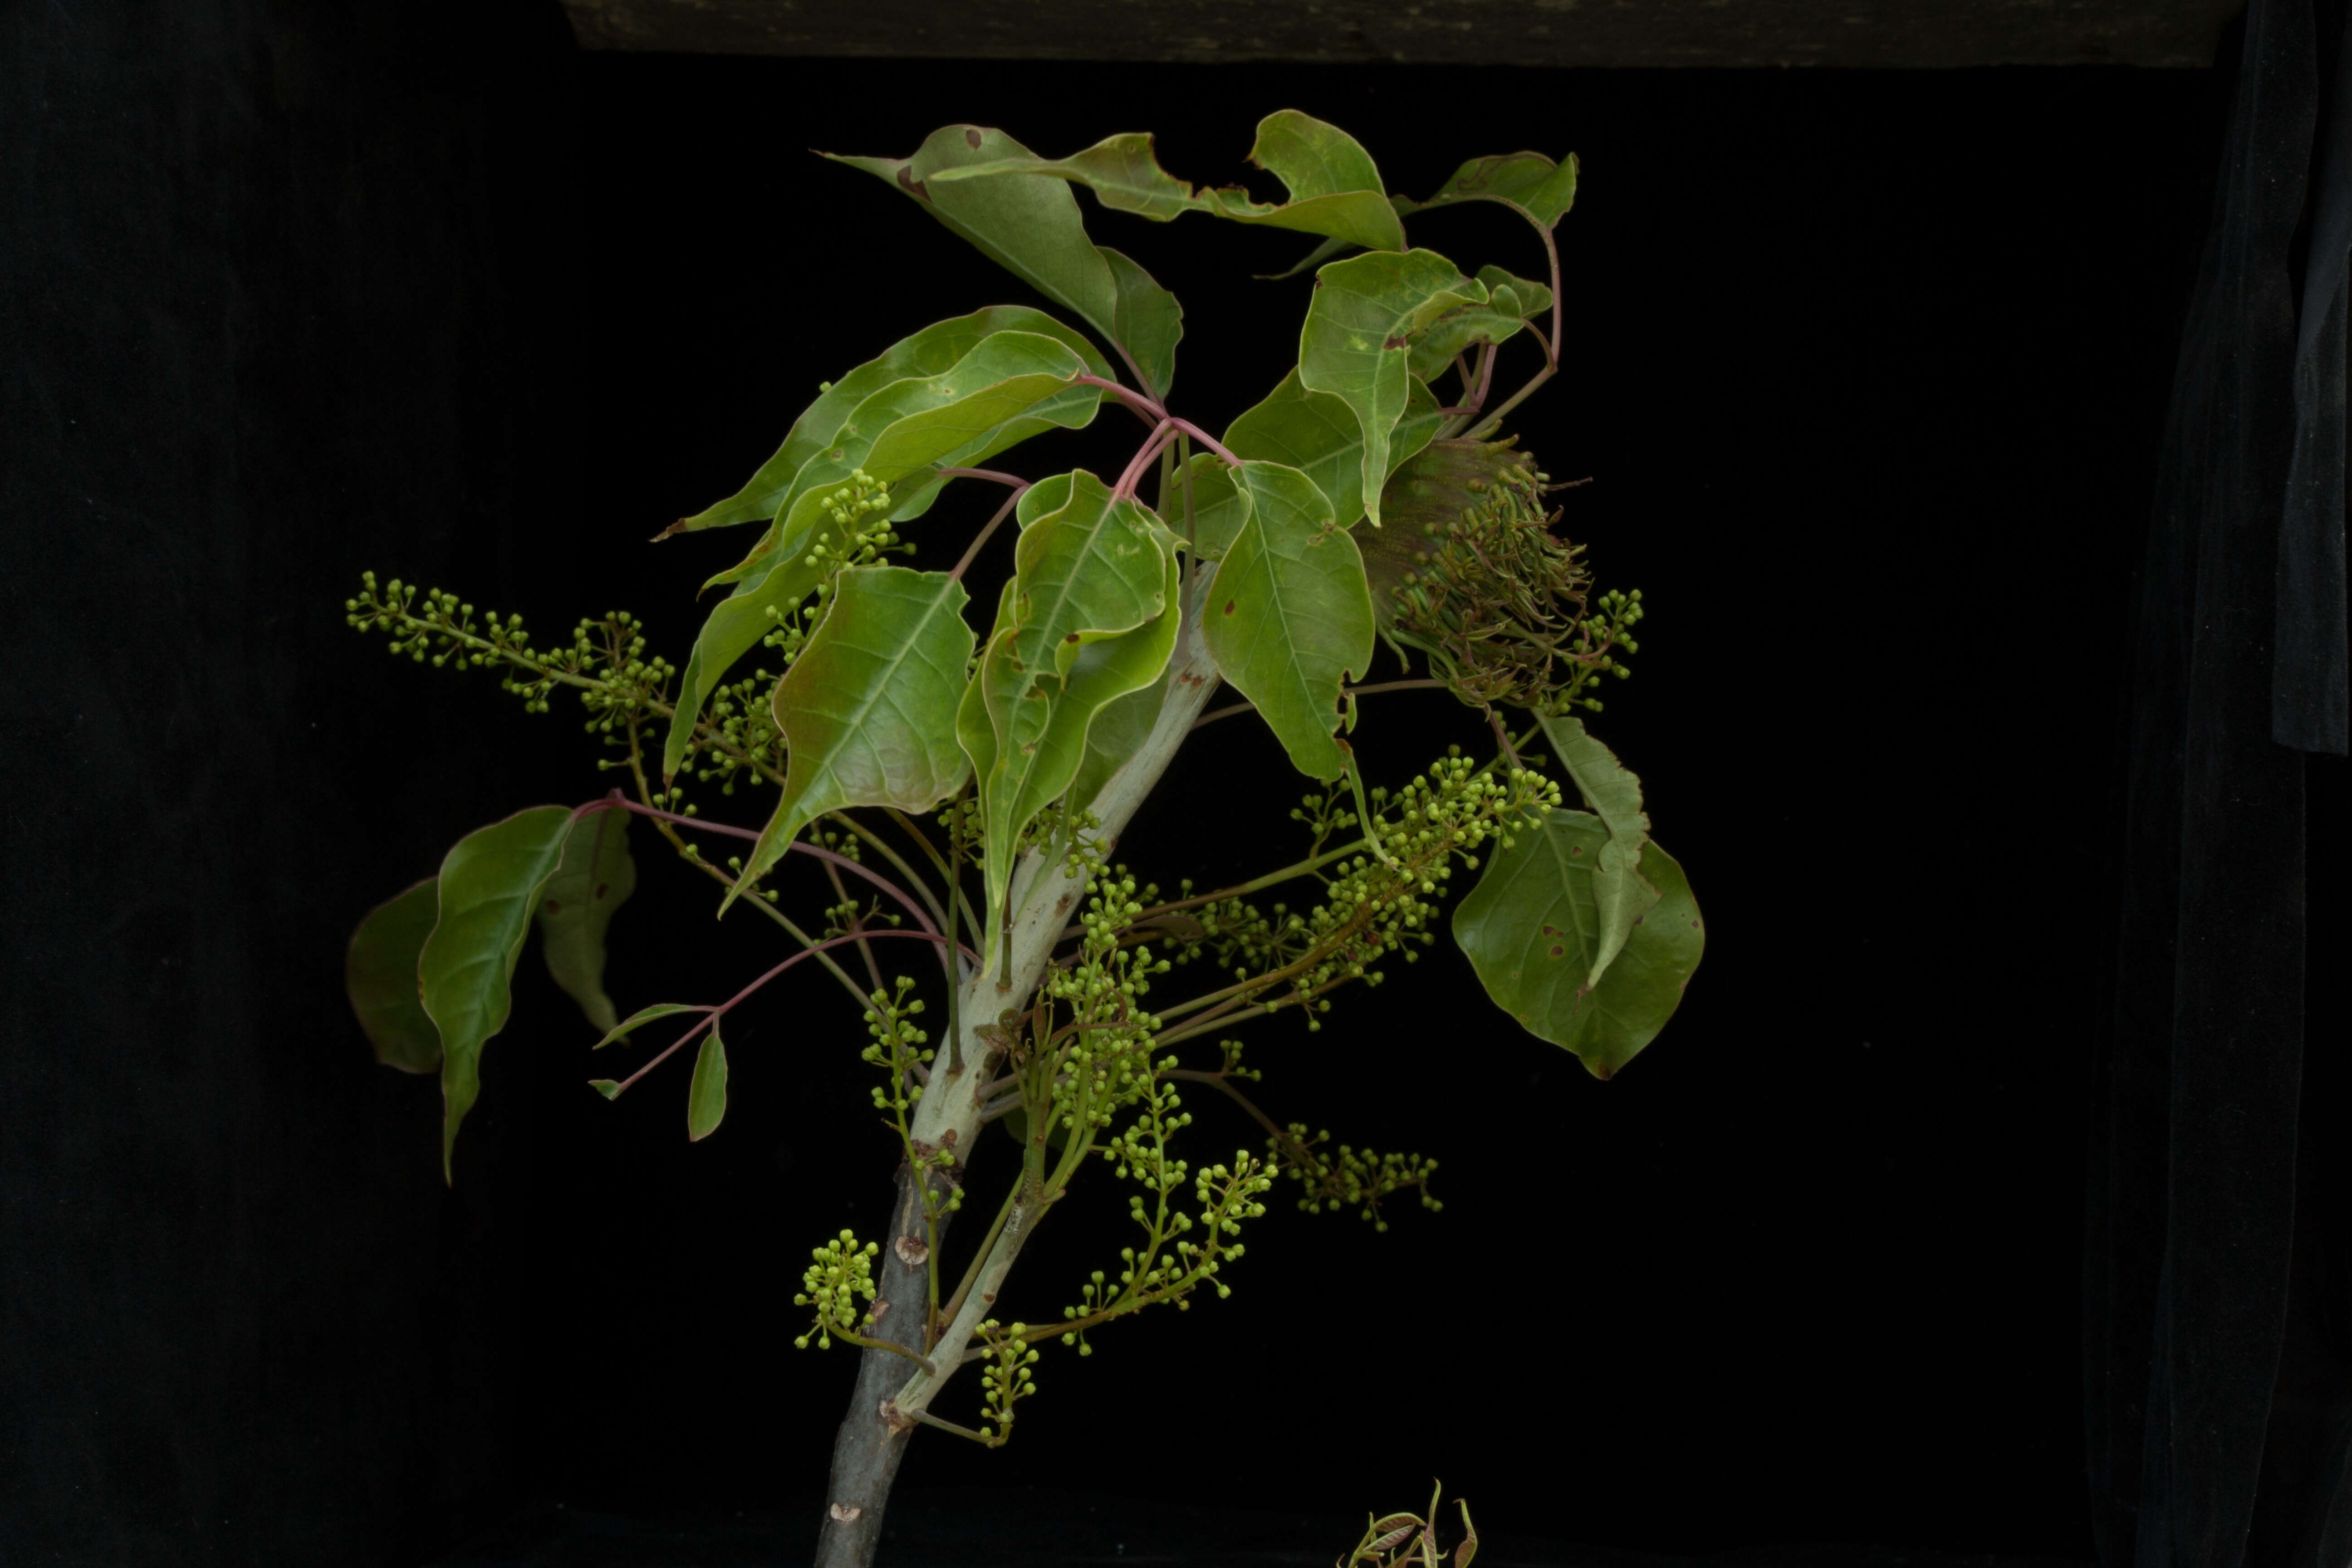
[[2217, 1325], [1871, 373]]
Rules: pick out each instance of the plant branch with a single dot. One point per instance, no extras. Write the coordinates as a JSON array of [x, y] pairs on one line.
[[971, 552], [1373, 690]]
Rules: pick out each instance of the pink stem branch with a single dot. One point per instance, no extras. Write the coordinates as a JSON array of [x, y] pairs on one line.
[[1161, 434], [1211, 442], [1135, 400], [1015, 480], [971, 552], [713, 1015], [616, 801]]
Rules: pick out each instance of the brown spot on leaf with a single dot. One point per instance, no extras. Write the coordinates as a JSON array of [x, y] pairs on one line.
[[1228, 606], [553, 907], [1394, 342], [911, 186], [1072, 637], [1557, 950], [972, 135], [603, 888]]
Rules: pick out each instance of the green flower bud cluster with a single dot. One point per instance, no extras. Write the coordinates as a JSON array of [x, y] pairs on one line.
[[897, 1047], [747, 740], [841, 1276], [608, 663], [1349, 1177], [1004, 1378], [1103, 1060], [1170, 1266], [849, 915], [1596, 636], [1374, 904]]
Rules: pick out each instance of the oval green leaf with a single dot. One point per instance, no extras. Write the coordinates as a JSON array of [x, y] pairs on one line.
[[1288, 617], [706, 1096], [1357, 343], [489, 886], [1008, 387], [1529, 183], [596, 877], [867, 710], [1317, 434], [380, 978], [1532, 926], [1613, 792], [1028, 223], [932, 352]]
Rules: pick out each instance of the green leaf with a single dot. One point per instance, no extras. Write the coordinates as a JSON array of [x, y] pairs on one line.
[[1532, 924], [380, 977], [1527, 182], [1620, 896], [1147, 319], [932, 352], [1511, 301], [596, 877], [867, 712], [1219, 505], [1106, 673], [706, 1096], [1357, 342], [1288, 617], [1090, 570], [1332, 185], [1118, 733], [1028, 223], [1317, 434], [643, 1016], [609, 1087], [1508, 292], [489, 884], [1008, 387]]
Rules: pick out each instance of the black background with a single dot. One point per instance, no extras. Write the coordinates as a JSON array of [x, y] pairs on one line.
[[1868, 371]]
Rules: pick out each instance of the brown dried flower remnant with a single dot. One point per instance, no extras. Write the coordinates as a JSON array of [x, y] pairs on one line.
[[1467, 570]]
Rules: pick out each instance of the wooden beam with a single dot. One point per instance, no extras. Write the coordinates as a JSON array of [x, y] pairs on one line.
[[1627, 32]]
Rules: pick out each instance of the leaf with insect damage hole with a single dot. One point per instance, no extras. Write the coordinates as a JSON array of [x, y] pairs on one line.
[[867, 712], [1357, 345], [1533, 924], [1288, 617], [1332, 185], [1028, 223]]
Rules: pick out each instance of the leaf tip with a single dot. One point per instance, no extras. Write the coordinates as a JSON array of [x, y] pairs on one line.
[[605, 1085]]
